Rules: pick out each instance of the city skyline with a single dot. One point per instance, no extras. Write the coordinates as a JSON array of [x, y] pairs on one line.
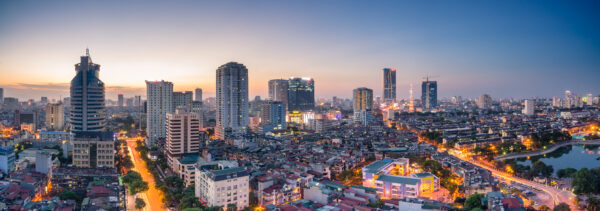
[[550, 49]]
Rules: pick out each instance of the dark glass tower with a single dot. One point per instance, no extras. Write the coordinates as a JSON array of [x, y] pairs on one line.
[[301, 94], [429, 94], [389, 84], [87, 97]]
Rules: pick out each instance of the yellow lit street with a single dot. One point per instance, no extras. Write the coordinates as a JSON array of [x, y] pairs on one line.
[[153, 197]]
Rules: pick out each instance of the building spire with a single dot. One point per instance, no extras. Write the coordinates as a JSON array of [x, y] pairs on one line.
[[87, 52]]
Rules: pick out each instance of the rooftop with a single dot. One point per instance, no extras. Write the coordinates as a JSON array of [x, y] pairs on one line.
[[398, 179]]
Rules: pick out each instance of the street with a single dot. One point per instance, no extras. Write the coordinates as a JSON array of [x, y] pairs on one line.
[[558, 196], [153, 197]]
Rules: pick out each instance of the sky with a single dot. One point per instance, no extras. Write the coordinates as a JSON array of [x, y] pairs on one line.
[[503, 48]]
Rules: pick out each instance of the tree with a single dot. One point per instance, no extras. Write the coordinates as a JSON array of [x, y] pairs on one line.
[[138, 186], [139, 203], [593, 204], [568, 172], [543, 207], [69, 195], [231, 207], [585, 181], [131, 176], [474, 201], [562, 207]]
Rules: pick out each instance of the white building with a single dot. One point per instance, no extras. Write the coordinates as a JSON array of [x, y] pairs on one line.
[[529, 107], [159, 103], [43, 162], [55, 116], [364, 117], [232, 99], [7, 159], [183, 135], [227, 185]]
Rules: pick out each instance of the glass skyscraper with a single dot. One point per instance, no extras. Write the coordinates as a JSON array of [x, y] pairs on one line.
[[301, 94], [389, 84], [429, 94], [87, 97]]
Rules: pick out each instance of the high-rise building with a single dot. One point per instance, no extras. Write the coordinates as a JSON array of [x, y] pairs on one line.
[[301, 94], [232, 99], [129, 102], [11, 103], [55, 117], [1, 97], [278, 90], [362, 99], [197, 107], [7, 159], [529, 107], [198, 96], [138, 101], [120, 101], [87, 97], [389, 85], [183, 100], [44, 100], [556, 102], [159, 103], [589, 99], [272, 116], [429, 94], [183, 135], [484, 102]]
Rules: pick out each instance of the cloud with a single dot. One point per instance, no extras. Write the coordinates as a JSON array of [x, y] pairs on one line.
[[41, 87]]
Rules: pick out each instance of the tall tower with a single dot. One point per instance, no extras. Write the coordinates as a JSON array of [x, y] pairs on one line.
[[87, 97], [301, 94], [362, 99], [120, 101], [55, 117], [183, 134], [198, 93], [272, 116], [429, 94], [278, 90], [389, 85], [232, 99], [159, 103]]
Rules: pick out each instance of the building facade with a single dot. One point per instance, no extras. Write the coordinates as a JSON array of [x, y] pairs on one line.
[[429, 94], [272, 116], [301, 94], [183, 100], [362, 99], [55, 116], [159, 103], [222, 187], [88, 112], [232, 99], [278, 90], [198, 95], [389, 85], [93, 149], [183, 135], [529, 107]]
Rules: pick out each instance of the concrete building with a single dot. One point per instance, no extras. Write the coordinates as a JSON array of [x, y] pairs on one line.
[[362, 99], [301, 94], [389, 85], [11, 104], [278, 90], [159, 103], [390, 179], [429, 94], [93, 149], [364, 117], [7, 159], [43, 162], [529, 107], [55, 116], [88, 112], [198, 95], [120, 101], [183, 100], [273, 116], [183, 135], [220, 185], [484, 102], [1, 97], [232, 99]]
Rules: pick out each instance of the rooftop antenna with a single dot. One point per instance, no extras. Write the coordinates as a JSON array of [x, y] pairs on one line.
[[87, 52]]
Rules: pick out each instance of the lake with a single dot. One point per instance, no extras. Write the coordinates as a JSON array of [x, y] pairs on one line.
[[574, 156]]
